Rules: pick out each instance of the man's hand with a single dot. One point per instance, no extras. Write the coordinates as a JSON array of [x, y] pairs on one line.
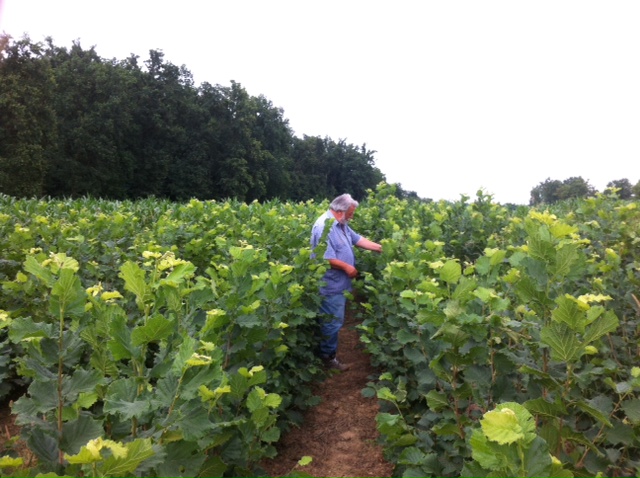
[[343, 266], [351, 271]]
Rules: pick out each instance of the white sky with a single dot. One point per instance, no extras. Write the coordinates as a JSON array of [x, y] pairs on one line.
[[453, 96]]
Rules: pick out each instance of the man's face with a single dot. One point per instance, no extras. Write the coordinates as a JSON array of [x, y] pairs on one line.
[[346, 216]]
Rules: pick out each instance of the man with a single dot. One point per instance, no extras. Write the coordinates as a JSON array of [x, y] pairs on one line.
[[340, 240]]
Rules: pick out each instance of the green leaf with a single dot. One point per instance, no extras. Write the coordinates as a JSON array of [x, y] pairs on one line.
[[539, 406], [137, 451], [632, 409], [44, 446], [183, 459], [485, 453], [537, 460], [411, 456], [437, 401], [565, 346], [179, 274], [605, 324], [67, 295], [25, 328], [121, 399], [32, 266], [404, 336], [134, 281], [566, 258], [77, 433], [81, 381], [502, 426], [193, 421], [593, 412], [120, 344], [569, 312], [451, 272], [157, 328], [213, 466]]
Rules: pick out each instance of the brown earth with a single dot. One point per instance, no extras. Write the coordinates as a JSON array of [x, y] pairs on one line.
[[340, 433]]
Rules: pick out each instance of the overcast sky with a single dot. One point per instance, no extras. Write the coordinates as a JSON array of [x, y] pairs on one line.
[[454, 96]]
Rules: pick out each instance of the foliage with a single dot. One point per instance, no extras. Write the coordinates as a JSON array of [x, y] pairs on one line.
[[81, 125], [160, 339], [544, 317]]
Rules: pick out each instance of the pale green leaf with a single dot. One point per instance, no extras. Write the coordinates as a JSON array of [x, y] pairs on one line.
[[451, 272]]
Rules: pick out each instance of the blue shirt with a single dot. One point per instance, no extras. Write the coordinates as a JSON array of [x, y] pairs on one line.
[[340, 241]]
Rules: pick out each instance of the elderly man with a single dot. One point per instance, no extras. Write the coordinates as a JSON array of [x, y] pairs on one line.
[[340, 240]]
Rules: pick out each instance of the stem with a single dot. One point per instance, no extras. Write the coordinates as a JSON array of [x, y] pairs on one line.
[[60, 376], [523, 472]]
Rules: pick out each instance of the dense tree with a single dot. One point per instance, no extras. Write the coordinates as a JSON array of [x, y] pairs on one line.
[[27, 117], [625, 190], [76, 124], [546, 192], [551, 191]]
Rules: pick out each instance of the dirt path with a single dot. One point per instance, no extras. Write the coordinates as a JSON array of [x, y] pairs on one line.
[[340, 433]]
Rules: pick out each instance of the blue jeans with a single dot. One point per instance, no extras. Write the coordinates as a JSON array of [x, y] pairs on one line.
[[334, 307]]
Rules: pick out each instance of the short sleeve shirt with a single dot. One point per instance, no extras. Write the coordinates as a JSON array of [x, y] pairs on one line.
[[340, 241]]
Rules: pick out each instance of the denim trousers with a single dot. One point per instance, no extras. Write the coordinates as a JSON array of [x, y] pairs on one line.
[[332, 311]]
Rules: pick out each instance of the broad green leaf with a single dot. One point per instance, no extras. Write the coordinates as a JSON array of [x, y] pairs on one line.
[[621, 434], [537, 460], [485, 453], [411, 456], [79, 432], [566, 258], [68, 297], [271, 435], [569, 312], [32, 266], [23, 328], [464, 288], [134, 281], [213, 466], [502, 426], [437, 401], [157, 328], [43, 445], [138, 451], [404, 336], [179, 273], [44, 395], [594, 412], [632, 409], [451, 272], [183, 459], [565, 346], [602, 326], [81, 381], [121, 399], [120, 344], [539, 406]]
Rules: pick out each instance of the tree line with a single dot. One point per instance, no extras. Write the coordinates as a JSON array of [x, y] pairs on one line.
[[74, 124], [552, 191]]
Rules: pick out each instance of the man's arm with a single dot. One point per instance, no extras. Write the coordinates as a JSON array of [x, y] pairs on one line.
[[343, 266], [365, 243]]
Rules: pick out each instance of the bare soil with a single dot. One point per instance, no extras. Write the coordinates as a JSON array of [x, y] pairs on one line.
[[340, 433]]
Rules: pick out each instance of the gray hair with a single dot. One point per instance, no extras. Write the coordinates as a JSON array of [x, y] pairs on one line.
[[343, 202]]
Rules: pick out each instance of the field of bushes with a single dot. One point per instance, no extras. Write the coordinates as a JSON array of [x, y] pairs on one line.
[[155, 338]]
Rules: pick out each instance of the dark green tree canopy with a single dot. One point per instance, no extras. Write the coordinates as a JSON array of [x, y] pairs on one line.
[[75, 124]]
